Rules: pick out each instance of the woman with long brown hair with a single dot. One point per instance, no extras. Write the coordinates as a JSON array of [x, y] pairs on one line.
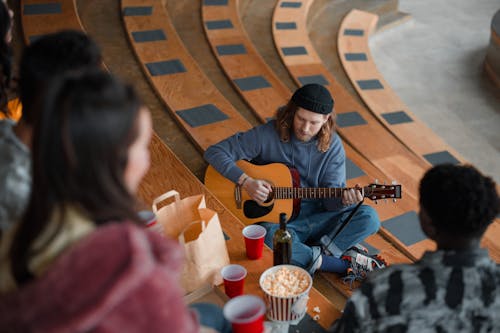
[[79, 260]]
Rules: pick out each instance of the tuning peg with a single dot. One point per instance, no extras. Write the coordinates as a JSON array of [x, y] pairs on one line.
[[394, 200], [385, 200], [376, 181], [376, 202], [394, 182]]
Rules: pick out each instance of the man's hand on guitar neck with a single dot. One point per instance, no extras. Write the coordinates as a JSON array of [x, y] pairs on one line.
[[353, 195], [257, 189]]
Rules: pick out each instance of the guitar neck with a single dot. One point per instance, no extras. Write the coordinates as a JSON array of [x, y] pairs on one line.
[[309, 193]]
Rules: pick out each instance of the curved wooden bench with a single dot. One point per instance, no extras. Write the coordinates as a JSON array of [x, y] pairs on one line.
[[492, 60], [197, 105], [238, 58], [356, 125], [237, 55], [167, 172], [42, 17], [246, 69], [354, 53]]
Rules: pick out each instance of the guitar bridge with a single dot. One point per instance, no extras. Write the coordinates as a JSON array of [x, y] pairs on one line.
[[237, 196]]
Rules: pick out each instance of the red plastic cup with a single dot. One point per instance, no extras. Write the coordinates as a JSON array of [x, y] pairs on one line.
[[246, 314], [254, 240], [234, 279]]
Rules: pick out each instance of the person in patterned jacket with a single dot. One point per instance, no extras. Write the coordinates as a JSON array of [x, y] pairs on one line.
[[453, 289]]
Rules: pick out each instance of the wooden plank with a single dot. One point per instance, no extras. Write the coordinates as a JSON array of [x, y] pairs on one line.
[[187, 89], [34, 25], [492, 59], [355, 55]]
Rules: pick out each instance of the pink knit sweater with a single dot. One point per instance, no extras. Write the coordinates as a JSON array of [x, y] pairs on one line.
[[120, 278]]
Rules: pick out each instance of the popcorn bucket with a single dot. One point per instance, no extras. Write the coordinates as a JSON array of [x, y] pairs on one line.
[[286, 303]]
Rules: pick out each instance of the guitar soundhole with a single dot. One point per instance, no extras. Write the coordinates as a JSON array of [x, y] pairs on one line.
[[269, 198], [253, 210]]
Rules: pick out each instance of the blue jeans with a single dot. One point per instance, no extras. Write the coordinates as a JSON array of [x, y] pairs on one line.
[[210, 315], [314, 222]]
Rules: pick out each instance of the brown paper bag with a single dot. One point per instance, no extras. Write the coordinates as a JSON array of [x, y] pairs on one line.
[[198, 230]]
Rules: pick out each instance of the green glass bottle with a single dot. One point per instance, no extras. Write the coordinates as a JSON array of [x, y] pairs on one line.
[[282, 244]]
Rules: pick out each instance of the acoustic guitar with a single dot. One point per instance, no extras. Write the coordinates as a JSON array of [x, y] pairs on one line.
[[285, 184]]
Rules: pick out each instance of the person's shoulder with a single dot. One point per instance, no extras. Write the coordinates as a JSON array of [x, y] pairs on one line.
[[269, 125], [384, 274], [382, 279], [267, 129], [336, 147], [128, 239], [10, 143], [6, 128]]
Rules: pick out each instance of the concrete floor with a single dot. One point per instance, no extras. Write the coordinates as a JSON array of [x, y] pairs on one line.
[[434, 62]]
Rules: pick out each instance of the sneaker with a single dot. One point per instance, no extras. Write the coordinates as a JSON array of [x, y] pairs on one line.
[[360, 263], [360, 248]]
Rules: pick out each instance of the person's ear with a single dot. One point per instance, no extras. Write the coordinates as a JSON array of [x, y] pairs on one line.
[[426, 224], [326, 118]]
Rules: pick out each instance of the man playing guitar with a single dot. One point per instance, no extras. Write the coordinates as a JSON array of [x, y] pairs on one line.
[[303, 137]]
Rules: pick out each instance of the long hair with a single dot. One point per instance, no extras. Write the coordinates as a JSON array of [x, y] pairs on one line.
[[80, 152], [5, 57], [284, 126]]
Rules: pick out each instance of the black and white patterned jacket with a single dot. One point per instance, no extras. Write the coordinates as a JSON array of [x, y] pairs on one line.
[[446, 291]]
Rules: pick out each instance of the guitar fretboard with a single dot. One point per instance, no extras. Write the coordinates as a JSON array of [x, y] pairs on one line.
[[308, 193]]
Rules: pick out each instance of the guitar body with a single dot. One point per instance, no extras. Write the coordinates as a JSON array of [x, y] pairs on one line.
[[286, 194], [249, 211]]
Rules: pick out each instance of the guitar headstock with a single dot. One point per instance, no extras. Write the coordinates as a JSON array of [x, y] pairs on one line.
[[382, 191]]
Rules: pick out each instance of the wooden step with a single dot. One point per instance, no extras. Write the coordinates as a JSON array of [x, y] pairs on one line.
[[197, 105], [354, 52]]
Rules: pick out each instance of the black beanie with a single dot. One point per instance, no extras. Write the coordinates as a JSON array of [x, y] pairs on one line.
[[314, 97]]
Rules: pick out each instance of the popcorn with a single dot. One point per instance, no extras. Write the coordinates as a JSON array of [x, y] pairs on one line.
[[286, 282]]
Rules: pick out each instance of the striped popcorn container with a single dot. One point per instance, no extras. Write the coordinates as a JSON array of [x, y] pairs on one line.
[[285, 302]]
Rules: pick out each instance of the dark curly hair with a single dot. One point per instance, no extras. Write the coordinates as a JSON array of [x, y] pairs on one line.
[[459, 199]]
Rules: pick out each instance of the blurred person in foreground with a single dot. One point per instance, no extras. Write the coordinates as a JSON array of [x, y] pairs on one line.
[[43, 60], [80, 259], [453, 289]]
